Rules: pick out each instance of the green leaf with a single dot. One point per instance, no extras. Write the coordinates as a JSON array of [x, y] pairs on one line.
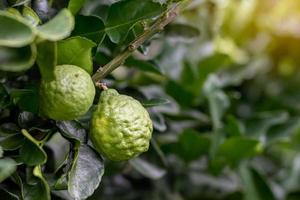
[[147, 169], [218, 103], [194, 77], [180, 94], [90, 27], [31, 16], [17, 59], [40, 189], [14, 12], [27, 99], [76, 51], [291, 182], [7, 167], [260, 123], [7, 129], [191, 145], [32, 147], [17, 32], [57, 28], [145, 66], [181, 30], [12, 142], [37, 172], [234, 127], [75, 5], [155, 102], [1, 152], [236, 149], [217, 99], [123, 15], [158, 121], [72, 130], [212, 64], [86, 173], [255, 185], [47, 59]]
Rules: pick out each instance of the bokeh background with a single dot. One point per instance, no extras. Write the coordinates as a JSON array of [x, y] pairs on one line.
[[231, 128]]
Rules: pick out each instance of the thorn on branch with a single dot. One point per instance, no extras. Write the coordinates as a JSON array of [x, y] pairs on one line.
[[100, 69], [132, 47]]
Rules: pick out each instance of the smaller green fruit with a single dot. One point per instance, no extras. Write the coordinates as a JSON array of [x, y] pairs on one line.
[[69, 95], [121, 127]]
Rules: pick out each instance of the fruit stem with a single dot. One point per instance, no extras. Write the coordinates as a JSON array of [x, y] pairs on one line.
[[102, 86], [157, 27]]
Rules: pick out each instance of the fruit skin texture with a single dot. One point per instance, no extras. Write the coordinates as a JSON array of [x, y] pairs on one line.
[[120, 127], [69, 95]]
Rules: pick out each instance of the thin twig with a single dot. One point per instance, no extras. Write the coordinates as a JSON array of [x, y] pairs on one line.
[[157, 27]]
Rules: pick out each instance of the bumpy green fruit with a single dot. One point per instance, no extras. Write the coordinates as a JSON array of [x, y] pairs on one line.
[[69, 95], [121, 127]]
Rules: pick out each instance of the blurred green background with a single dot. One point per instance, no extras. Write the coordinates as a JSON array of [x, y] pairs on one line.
[[231, 127]]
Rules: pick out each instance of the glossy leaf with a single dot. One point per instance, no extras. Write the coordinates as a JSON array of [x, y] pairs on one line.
[[76, 51], [7, 167], [75, 5], [57, 28], [86, 173], [7, 129], [72, 130], [45, 187], [17, 32], [17, 59], [47, 59], [32, 147], [119, 22], [31, 16], [90, 27], [40, 189], [27, 99], [12, 142]]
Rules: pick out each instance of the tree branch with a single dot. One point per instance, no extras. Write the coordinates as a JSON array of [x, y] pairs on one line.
[[157, 27]]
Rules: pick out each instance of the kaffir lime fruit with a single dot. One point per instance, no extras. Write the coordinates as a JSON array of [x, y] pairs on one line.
[[69, 95], [120, 127]]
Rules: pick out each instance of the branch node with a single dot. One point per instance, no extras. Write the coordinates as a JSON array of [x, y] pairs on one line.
[[132, 47], [100, 69], [149, 32]]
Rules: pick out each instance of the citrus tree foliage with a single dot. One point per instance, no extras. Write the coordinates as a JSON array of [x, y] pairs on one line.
[[221, 84]]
